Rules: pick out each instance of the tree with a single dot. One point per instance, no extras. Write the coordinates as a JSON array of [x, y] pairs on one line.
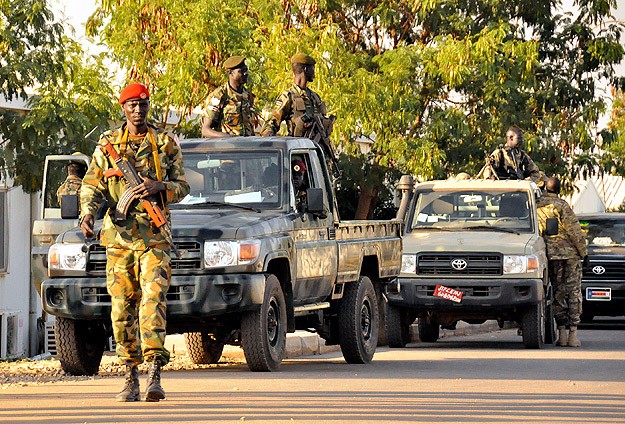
[[432, 84], [60, 116], [31, 47]]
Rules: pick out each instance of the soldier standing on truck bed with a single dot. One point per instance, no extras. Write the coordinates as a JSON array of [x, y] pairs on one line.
[[137, 254], [297, 104], [564, 252], [229, 109], [509, 162]]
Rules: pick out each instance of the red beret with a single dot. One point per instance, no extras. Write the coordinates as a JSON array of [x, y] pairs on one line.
[[134, 91], [298, 166]]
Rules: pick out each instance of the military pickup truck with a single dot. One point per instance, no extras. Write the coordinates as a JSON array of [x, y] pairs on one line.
[[472, 252], [258, 259]]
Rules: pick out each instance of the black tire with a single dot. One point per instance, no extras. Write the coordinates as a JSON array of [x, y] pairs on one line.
[[359, 322], [203, 348], [263, 331], [79, 345], [586, 318], [397, 326], [429, 332], [550, 321], [533, 325]]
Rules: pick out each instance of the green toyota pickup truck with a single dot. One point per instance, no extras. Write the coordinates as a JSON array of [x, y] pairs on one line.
[[258, 260], [472, 252]]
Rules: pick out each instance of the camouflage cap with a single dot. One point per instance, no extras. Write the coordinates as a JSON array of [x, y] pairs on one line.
[[302, 58], [233, 62]]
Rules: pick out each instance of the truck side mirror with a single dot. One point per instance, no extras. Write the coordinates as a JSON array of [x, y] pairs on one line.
[[69, 206], [551, 227], [314, 197]]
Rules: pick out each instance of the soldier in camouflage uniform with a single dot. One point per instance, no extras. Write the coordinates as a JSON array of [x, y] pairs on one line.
[[75, 172], [564, 251], [298, 103], [509, 162], [229, 109], [138, 262], [298, 170]]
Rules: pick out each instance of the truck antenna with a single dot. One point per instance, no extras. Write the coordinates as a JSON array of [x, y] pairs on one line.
[[91, 132]]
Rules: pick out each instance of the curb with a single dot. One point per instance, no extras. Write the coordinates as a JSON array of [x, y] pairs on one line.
[[303, 343]]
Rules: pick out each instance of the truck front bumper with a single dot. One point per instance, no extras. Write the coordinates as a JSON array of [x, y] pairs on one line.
[[188, 297], [477, 294]]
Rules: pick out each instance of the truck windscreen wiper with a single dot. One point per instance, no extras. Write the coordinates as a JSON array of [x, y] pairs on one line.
[[434, 227], [491, 228], [205, 202]]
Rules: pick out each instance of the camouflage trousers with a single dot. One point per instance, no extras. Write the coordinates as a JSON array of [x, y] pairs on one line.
[[137, 282], [566, 277]]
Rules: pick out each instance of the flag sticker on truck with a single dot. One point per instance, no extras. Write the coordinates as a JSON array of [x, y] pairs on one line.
[[594, 293], [448, 293]]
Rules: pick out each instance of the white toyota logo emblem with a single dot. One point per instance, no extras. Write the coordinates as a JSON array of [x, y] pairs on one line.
[[598, 269], [458, 264]]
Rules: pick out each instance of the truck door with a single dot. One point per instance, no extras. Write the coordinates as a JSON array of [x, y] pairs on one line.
[[315, 245]]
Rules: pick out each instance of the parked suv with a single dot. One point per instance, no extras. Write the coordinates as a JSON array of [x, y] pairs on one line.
[[603, 281]]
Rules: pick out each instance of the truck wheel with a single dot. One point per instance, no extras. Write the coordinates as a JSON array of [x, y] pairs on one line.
[[586, 318], [428, 331], [203, 348], [397, 326], [550, 321], [533, 324], [79, 345], [263, 331], [358, 322]]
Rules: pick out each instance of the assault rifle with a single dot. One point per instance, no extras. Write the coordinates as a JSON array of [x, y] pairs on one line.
[[125, 170], [320, 134]]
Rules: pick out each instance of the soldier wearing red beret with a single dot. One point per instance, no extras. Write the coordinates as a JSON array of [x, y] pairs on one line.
[[137, 254]]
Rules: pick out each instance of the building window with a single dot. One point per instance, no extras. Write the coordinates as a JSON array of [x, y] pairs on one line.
[[4, 231]]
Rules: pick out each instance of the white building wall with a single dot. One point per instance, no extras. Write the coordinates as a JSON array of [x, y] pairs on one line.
[[15, 283]]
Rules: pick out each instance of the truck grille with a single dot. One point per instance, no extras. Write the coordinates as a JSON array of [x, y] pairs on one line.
[[191, 258], [100, 294], [476, 264], [606, 271]]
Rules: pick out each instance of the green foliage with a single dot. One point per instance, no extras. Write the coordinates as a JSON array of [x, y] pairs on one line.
[[31, 49], [60, 117]]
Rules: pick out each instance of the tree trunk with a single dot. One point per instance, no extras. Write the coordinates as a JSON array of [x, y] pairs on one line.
[[366, 201]]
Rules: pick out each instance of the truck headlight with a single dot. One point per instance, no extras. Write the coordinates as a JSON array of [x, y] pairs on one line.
[[219, 254], [520, 264], [408, 264], [67, 257]]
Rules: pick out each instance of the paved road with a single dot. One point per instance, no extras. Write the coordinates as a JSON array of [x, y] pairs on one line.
[[484, 378]]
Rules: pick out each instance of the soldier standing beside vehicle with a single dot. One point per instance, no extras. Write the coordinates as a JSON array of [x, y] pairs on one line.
[[230, 108], [564, 252], [75, 172], [297, 105], [509, 162], [137, 254]]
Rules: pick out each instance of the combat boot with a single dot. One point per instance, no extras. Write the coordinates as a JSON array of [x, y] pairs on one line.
[[131, 392], [573, 340], [563, 337], [154, 392]]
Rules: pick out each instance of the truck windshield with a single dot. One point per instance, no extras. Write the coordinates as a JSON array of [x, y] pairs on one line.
[[603, 232], [244, 178], [465, 210]]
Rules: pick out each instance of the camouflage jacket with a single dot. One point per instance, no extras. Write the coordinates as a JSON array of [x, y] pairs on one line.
[[290, 107], [71, 185], [231, 112], [569, 243], [136, 232], [514, 164]]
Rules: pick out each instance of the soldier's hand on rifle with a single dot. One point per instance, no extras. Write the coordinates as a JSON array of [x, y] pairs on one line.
[[148, 188], [86, 226]]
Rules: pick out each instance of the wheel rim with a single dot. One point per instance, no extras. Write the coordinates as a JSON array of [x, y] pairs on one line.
[[365, 319], [273, 322]]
